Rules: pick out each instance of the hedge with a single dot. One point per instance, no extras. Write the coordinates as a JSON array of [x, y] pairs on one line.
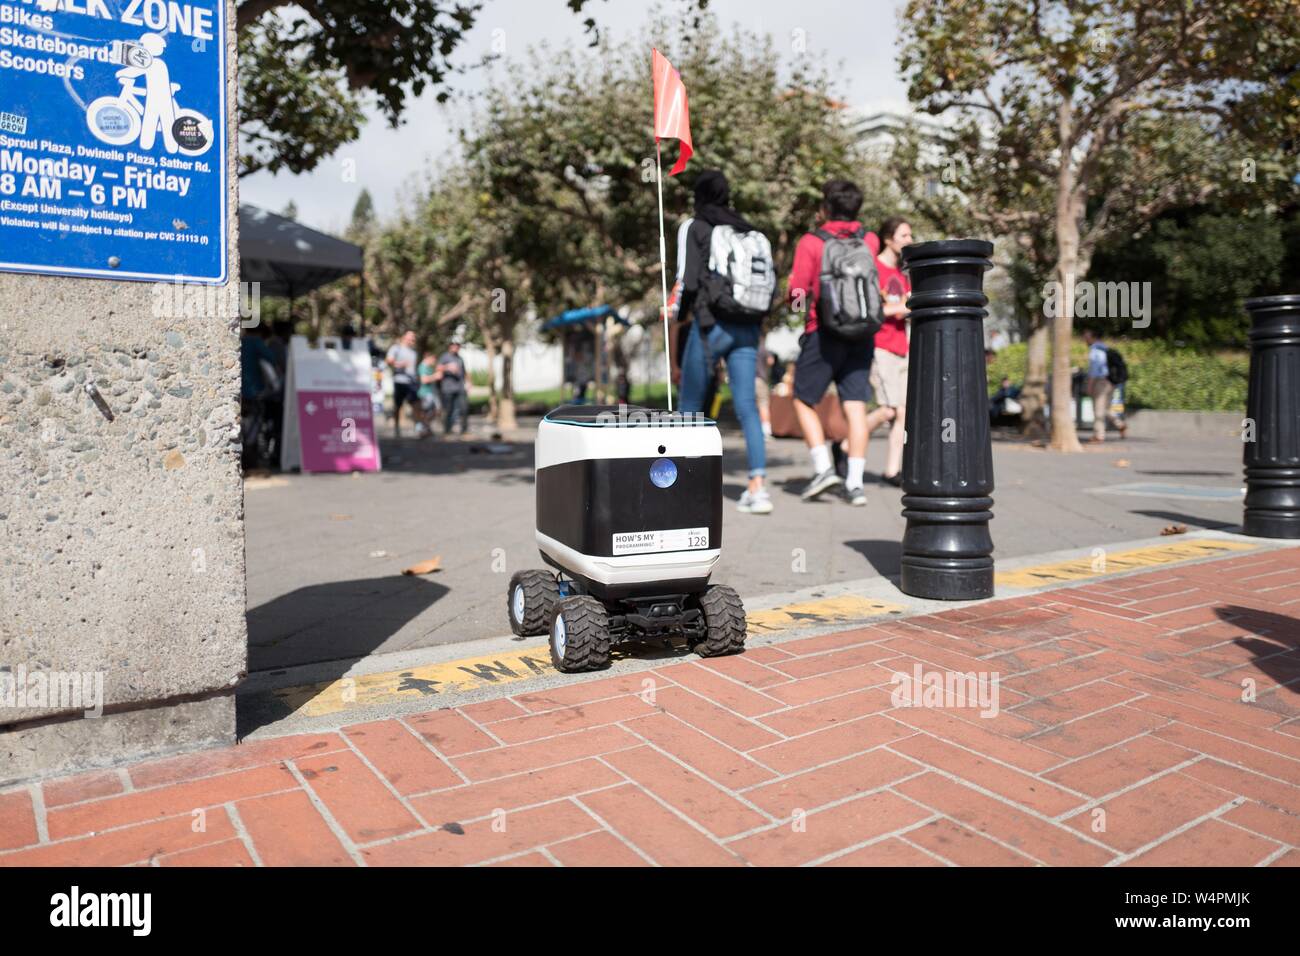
[[1161, 376]]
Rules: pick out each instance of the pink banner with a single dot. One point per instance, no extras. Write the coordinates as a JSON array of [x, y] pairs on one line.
[[338, 432]]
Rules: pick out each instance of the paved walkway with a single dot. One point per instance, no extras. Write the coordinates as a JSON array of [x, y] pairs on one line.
[[1145, 719], [326, 552]]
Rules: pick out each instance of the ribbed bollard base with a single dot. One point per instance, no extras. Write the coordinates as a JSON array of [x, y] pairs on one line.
[[1272, 502], [946, 580], [1272, 524], [947, 549]]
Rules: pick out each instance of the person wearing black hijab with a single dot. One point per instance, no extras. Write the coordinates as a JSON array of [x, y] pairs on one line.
[[715, 335]]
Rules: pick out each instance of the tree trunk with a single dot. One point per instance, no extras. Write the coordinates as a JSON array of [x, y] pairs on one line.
[[490, 347], [1069, 205], [1033, 396], [506, 406]]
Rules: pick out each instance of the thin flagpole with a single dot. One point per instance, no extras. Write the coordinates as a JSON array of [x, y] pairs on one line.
[[663, 273]]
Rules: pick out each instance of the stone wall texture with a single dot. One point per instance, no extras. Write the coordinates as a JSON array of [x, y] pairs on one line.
[[121, 541]]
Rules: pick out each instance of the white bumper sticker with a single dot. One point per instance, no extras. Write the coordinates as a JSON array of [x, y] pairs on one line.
[[648, 542]]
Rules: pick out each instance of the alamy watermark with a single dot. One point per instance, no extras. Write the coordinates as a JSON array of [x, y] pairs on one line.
[[61, 690], [631, 415], [1099, 300], [946, 689], [189, 300], [133, 911]]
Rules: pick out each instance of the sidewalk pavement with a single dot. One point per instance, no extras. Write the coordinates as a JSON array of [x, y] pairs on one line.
[[1149, 719]]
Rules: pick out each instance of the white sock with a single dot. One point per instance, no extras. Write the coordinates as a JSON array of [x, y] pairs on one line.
[[821, 459], [856, 466], [767, 429]]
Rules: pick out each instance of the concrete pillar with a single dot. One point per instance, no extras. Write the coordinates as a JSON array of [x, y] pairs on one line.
[[121, 512]]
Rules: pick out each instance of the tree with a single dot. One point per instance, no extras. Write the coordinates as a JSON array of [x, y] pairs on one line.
[[1202, 264], [415, 268], [1075, 92], [568, 140], [308, 67], [363, 216], [564, 151]]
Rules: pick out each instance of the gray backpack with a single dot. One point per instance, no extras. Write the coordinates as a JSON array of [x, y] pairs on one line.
[[741, 280], [848, 304]]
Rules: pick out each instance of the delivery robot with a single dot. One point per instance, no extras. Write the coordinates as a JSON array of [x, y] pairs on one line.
[[629, 516]]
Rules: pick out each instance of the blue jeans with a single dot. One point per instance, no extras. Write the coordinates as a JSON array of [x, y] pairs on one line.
[[738, 345]]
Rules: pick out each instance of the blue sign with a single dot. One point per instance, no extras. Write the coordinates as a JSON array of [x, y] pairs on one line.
[[113, 138]]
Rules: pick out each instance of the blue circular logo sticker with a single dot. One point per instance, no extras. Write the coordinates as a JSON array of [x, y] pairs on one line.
[[663, 473], [112, 120]]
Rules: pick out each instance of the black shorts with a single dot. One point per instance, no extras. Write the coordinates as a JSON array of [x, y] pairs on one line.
[[827, 358], [403, 394]]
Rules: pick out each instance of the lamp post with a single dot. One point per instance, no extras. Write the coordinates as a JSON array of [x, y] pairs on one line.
[[948, 458], [1272, 451]]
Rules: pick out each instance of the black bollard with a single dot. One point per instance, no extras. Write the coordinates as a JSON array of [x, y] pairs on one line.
[[1272, 458], [948, 459]]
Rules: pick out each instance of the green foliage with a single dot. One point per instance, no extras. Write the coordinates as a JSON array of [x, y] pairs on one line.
[[363, 216], [1201, 268], [293, 112], [567, 139], [308, 67], [1161, 376], [1077, 122]]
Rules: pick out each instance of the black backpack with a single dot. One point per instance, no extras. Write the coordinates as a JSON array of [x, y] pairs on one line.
[[1116, 370], [848, 302]]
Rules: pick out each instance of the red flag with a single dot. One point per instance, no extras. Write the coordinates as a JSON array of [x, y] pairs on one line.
[[672, 113]]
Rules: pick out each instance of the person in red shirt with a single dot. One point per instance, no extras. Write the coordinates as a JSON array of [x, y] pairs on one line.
[[823, 357], [889, 365]]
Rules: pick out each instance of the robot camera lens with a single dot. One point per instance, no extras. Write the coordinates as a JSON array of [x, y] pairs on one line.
[[663, 473]]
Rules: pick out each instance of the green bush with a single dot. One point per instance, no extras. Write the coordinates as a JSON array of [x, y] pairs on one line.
[[1160, 375]]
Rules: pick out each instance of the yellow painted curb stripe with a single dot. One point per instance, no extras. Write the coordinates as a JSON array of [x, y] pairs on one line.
[[473, 673], [430, 680], [813, 613], [1100, 562]]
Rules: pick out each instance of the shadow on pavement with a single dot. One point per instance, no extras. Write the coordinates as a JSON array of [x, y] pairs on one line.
[[884, 556], [336, 624], [1210, 524], [438, 456], [1276, 635]]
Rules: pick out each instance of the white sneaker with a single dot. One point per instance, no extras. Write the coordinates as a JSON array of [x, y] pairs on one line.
[[855, 496], [755, 504]]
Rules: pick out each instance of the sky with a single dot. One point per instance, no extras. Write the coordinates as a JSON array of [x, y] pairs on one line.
[[857, 39]]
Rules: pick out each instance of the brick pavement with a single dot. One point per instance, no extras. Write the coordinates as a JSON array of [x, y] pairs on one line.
[[1149, 719]]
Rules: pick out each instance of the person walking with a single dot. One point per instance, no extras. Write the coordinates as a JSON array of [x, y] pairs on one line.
[[428, 394], [455, 405], [824, 356], [402, 359], [719, 332], [1106, 369], [889, 364]]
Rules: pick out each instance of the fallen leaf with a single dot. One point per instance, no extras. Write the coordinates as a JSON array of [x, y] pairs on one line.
[[1121, 463], [1174, 529], [424, 567], [340, 517]]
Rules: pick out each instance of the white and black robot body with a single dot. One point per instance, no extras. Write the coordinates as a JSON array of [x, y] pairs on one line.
[[629, 513], [629, 500]]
